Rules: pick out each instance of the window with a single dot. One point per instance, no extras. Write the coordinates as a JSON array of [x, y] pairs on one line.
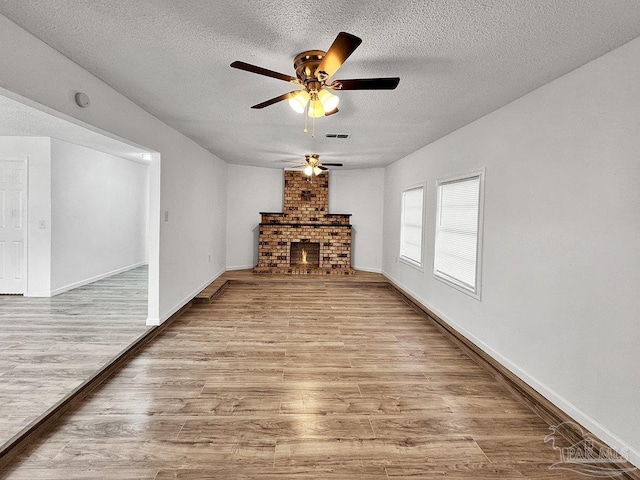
[[411, 226], [458, 232]]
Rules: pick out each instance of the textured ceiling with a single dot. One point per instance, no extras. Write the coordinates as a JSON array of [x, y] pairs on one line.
[[457, 60]]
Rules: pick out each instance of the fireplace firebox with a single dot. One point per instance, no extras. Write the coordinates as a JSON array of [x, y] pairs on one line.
[[305, 254]]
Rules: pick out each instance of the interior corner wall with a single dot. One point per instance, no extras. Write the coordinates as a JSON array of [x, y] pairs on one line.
[[37, 151], [98, 215], [560, 276], [361, 193], [251, 190], [192, 181], [254, 189]]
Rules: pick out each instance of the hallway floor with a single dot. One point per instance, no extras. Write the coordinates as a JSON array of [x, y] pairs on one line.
[[49, 346]]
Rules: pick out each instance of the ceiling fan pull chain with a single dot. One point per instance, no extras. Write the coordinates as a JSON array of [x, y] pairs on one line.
[[313, 127], [306, 110]]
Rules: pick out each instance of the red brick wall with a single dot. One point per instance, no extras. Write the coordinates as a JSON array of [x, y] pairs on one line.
[[306, 199]]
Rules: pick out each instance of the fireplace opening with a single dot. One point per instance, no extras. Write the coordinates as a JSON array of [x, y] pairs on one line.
[[305, 254]]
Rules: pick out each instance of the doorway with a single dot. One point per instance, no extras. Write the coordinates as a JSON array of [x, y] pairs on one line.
[[13, 220], [45, 336]]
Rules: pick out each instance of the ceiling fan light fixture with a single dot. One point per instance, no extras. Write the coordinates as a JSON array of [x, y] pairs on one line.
[[329, 100], [308, 170], [298, 101], [315, 108], [317, 170]]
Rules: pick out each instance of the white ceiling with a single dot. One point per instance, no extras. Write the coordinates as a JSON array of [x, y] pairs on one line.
[[18, 119], [457, 60]]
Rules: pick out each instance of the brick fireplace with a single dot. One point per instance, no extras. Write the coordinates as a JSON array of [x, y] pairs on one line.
[[305, 238]]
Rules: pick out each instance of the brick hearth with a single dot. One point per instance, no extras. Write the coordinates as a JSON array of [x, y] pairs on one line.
[[305, 220]]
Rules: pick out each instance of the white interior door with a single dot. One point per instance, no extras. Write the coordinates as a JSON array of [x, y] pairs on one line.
[[13, 228]]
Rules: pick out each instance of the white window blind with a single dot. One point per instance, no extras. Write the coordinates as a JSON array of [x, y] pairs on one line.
[[457, 232], [411, 227]]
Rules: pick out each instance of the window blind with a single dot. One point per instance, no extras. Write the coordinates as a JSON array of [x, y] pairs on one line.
[[457, 232], [411, 227]]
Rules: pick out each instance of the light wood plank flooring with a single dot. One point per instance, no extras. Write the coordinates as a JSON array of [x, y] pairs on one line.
[[297, 379], [48, 346]]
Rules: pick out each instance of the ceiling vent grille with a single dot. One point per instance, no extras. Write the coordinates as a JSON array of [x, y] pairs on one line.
[[337, 135]]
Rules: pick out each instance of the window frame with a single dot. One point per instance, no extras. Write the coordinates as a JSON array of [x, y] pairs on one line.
[[407, 260], [447, 279]]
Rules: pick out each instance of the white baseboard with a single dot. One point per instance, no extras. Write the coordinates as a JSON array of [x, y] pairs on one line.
[[367, 269], [38, 293], [240, 267], [154, 322], [562, 403], [81, 283]]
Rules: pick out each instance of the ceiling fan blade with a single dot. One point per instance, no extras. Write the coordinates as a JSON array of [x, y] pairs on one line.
[[335, 110], [343, 46], [262, 71], [273, 100], [322, 167], [388, 83], [333, 164]]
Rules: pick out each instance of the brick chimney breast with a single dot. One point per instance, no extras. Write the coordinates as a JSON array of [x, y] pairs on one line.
[[305, 219]]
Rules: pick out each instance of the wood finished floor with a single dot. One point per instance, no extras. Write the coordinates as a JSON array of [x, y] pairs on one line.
[[48, 346], [304, 380]]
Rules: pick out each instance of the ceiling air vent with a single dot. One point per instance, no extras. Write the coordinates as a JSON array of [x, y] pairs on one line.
[[337, 135]]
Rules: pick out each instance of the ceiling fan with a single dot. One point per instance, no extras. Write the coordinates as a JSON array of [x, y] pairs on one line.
[[314, 68], [312, 165]]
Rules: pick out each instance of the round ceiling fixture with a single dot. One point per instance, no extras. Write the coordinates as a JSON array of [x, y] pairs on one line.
[[82, 99]]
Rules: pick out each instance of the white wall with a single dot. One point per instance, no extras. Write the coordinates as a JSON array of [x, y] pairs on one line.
[[361, 193], [98, 215], [37, 151], [251, 190], [560, 282], [186, 180]]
